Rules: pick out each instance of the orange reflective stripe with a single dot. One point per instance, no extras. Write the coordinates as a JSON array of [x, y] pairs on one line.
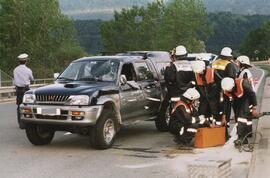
[[239, 87], [199, 79], [209, 76], [179, 103]]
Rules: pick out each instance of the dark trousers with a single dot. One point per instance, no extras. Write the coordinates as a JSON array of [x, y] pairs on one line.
[[19, 93]]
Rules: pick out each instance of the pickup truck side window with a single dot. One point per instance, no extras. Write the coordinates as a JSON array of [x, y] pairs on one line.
[[129, 72], [144, 72], [161, 68]]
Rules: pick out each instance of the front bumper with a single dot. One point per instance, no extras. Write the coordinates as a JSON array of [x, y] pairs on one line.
[[63, 115]]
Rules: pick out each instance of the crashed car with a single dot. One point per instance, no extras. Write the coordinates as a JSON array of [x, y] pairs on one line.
[[95, 96], [209, 58]]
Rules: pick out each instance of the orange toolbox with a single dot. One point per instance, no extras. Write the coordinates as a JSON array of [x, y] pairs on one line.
[[209, 137]]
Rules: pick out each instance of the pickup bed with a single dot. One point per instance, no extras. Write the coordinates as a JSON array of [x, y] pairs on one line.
[[94, 96]]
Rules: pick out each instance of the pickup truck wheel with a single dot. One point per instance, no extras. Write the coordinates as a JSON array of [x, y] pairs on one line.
[[39, 134], [103, 133], [163, 120]]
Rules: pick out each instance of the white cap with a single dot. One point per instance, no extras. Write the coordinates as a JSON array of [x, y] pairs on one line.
[[180, 50], [227, 84], [226, 51], [244, 60], [198, 66], [23, 56], [192, 94]]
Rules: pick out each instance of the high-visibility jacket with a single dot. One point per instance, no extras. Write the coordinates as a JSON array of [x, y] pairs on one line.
[[187, 107], [209, 76], [220, 64], [239, 89]]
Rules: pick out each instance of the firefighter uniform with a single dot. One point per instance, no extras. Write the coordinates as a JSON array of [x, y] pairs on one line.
[[224, 68], [184, 122], [209, 95], [245, 97]]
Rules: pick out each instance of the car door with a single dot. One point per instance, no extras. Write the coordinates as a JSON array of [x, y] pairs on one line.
[[150, 87], [130, 96]]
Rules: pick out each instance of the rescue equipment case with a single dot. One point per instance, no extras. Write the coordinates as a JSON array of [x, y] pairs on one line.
[[210, 137]]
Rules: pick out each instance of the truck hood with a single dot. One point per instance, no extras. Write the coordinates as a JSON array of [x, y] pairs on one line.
[[77, 88]]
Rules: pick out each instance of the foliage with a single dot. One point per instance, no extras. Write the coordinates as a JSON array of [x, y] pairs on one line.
[[88, 35], [257, 42], [157, 27], [39, 29], [230, 29]]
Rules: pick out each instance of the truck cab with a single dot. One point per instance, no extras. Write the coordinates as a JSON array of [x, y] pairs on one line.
[[94, 96]]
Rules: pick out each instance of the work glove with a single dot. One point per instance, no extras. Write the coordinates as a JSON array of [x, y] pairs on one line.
[[254, 112], [223, 120]]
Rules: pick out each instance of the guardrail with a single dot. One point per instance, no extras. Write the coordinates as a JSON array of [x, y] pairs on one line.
[[8, 92]]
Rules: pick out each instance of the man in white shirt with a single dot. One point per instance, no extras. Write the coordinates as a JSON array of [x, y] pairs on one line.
[[22, 77]]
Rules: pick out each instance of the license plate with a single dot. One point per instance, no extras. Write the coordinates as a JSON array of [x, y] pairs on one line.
[[49, 111]]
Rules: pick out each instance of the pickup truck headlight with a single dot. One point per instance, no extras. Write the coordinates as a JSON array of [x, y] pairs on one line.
[[29, 98], [78, 100]]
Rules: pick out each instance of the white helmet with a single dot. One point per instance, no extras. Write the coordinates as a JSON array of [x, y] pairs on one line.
[[23, 56], [244, 60], [227, 84], [198, 66], [180, 50], [192, 94], [226, 51]]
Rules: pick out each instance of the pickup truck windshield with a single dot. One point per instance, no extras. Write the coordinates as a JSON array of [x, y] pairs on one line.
[[92, 70]]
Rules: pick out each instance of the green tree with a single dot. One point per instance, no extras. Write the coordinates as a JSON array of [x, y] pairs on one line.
[[39, 29], [257, 42], [157, 27], [184, 22]]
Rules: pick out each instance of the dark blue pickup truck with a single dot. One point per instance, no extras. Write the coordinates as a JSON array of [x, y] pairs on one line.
[[94, 96]]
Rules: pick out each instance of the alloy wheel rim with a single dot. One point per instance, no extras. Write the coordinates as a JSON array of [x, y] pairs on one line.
[[108, 131]]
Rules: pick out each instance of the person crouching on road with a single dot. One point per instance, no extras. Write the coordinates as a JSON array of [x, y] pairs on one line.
[[241, 91], [206, 84], [184, 121], [22, 78]]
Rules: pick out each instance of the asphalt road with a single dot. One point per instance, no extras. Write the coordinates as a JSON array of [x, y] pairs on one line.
[[139, 151]]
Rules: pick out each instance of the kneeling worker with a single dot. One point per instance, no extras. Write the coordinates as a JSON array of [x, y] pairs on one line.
[[240, 91], [184, 121]]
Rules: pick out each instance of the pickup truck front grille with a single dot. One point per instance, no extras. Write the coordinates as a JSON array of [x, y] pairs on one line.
[[52, 98]]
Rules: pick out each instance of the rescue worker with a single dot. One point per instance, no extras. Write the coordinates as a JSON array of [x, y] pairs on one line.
[[206, 78], [241, 91], [184, 120], [244, 65], [184, 77], [178, 76], [22, 78], [224, 67]]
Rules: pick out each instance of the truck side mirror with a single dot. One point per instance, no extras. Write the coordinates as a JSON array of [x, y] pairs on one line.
[[55, 75], [123, 79]]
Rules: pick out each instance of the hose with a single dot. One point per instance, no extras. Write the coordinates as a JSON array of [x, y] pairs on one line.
[[250, 146]]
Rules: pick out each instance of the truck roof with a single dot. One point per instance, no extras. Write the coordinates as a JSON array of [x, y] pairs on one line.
[[121, 58]]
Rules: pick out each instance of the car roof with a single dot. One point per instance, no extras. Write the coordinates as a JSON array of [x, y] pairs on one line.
[[120, 58], [152, 55], [205, 56]]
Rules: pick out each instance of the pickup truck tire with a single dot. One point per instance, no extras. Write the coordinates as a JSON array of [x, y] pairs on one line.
[[162, 120], [103, 133], [39, 134]]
